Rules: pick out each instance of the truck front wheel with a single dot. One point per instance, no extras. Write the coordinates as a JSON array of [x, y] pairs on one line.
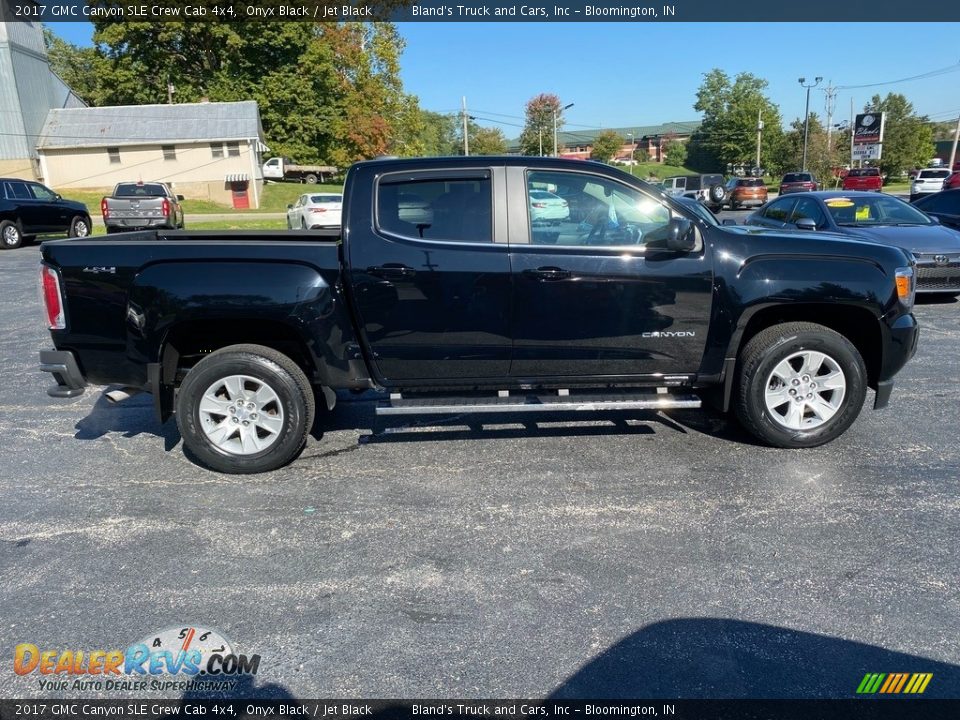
[[245, 409], [799, 385]]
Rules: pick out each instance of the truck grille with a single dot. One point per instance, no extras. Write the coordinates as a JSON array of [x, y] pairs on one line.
[[939, 277]]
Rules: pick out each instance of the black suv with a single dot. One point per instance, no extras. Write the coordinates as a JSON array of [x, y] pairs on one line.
[[28, 209], [708, 189]]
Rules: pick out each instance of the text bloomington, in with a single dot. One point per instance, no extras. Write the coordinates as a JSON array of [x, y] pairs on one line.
[[588, 11]]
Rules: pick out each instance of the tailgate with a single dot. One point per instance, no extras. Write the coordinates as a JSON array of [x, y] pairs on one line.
[[124, 209]]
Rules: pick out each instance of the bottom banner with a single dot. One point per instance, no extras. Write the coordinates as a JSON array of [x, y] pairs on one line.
[[211, 709]]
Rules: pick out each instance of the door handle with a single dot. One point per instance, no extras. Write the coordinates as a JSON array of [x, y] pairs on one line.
[[392, 271], [548, 273]]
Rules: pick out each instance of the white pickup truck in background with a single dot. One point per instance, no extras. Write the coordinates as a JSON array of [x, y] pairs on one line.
[[283, 168]]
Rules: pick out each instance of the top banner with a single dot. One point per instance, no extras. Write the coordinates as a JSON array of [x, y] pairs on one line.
[[819, 11]]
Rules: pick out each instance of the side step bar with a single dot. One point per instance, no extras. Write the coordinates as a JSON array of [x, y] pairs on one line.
[[525, 402]]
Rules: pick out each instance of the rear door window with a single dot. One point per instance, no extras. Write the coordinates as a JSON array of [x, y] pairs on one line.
[[451, 209], [17, 191], [779, 211]]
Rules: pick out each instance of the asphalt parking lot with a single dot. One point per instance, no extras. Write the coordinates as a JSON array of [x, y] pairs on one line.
[[634, 554]]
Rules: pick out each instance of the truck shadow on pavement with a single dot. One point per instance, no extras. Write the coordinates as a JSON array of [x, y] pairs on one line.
[[723, 658], [131, 418], [703, 658]]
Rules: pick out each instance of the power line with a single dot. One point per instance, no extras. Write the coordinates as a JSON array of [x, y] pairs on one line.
[[921, 76]]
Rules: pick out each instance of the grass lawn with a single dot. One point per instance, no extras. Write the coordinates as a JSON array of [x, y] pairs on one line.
[[648, 169], [275, 198]]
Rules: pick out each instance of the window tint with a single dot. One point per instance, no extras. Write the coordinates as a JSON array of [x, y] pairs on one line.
[[326, 198], [933, 174], [581, 209], [753, 182], [17, 190], [456, 210], [939, 202], [135, 190], [779, 210], [809, 209]]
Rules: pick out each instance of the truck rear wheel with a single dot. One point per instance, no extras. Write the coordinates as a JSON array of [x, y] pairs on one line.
[[799, 385], [311, 179], [245, 409], [10, 235], [79, 227]]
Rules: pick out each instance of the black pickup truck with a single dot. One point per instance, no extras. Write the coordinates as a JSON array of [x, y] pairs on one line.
[[461, 285]]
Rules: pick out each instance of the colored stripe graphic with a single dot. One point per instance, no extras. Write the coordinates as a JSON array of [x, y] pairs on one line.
[[894, 683]]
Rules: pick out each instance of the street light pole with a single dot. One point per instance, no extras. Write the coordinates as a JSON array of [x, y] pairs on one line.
[[806, 116], [555, 113], [632, 148]]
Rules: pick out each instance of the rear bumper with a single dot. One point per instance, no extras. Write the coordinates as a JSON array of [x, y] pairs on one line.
[[63, 366], [138, 224]]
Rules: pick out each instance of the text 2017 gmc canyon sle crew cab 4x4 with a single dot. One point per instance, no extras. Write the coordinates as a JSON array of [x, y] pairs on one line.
[[464, 305]]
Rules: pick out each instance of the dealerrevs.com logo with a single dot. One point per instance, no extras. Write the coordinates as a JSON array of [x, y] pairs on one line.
[[178, 658]]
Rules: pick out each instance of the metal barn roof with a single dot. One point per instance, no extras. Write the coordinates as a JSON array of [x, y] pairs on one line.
[[150, 124]]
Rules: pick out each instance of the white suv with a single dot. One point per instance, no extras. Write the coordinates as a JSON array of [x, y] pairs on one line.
[[928, 180]]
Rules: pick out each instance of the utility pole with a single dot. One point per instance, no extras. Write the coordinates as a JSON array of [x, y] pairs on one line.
[[953, 151], [759, 133], [851, 132], [170, 90], [555, 113], [466, 134], [831, 92], [806, 116]]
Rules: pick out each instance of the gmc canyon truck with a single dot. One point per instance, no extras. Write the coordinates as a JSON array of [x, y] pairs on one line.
[[466, 306]]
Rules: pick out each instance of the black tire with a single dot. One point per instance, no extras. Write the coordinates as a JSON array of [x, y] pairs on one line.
[[80, 226], [733, 204], [769, 348], [303, 224], [11, 237], [310, 179], [281, 374], [718, 193]]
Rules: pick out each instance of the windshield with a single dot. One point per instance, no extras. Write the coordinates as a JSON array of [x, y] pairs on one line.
[[879, 210]]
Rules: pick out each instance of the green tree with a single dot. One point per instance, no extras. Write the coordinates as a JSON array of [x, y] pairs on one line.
[[821, 158], [488, 141], [537, 135], [327, 92], [728, 133], [675, 153], [439, 134], [606, 145], [907, 137]]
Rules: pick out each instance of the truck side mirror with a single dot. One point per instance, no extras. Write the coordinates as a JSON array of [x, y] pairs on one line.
[[934, 219], [728, 221], [290, 207], [806, 224], [681, 235], [180, 198]]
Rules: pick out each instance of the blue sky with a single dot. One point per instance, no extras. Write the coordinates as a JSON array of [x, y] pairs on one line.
[[620, 74]]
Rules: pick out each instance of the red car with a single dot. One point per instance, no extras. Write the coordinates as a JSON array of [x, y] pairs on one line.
[[863, 179], [952, 182], [798, 182]]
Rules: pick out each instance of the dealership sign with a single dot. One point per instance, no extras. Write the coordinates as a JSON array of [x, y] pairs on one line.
[[868, 128], [867, 151]]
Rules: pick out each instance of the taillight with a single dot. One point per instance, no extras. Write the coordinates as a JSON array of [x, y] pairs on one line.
[[539, 205], [165, 207], [318, 210], [52, 299], [104, 208]]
